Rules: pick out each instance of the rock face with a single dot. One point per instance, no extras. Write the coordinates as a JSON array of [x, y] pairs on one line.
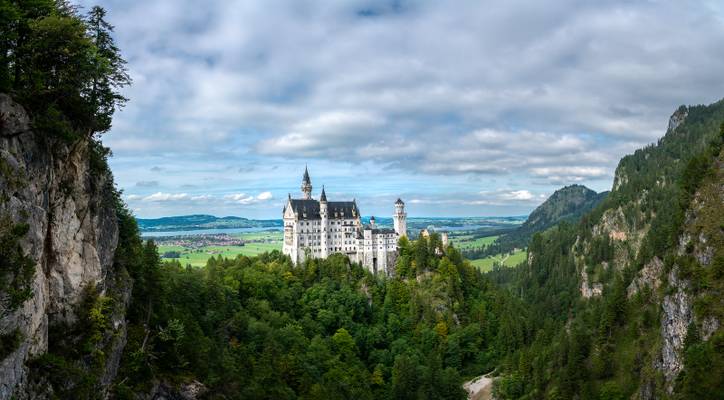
[[73, 234], [648, 276], [187, 391], [589, 290], [664, 279], [675, 319]]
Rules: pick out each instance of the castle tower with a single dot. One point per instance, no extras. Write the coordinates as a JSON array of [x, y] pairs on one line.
[[306, 185], [400, 218], [324, 228]]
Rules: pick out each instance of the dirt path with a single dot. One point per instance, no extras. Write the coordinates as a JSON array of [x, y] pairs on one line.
[[480, 388]]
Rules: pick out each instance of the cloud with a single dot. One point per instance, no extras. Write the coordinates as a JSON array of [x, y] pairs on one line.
[[245, 199], [499, 197], [146, 184], [240, 198], [323, 135], [516, 94], [503, 196], [160, 196], [519, 195]]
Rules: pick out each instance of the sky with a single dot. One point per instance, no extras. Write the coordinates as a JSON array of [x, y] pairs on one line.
[[460, 108]]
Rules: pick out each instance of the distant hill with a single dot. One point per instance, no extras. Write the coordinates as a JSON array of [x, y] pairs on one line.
[[566, 204], [203, 221]]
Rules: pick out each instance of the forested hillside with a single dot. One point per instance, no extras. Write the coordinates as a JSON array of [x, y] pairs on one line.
[[624, 303], [327, 329], [628, 302], [567, 204]]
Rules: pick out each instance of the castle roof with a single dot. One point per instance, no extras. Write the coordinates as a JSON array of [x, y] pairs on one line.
[[399, 201], [377, 230], [309, 209], [323, 197], [305, 178]]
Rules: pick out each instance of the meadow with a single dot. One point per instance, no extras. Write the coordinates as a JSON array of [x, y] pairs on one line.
[[463, 242], [507, 260], [255, 243], [259, 242]]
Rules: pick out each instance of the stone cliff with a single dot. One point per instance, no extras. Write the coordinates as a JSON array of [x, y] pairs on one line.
[[67, 203], [666, 274]]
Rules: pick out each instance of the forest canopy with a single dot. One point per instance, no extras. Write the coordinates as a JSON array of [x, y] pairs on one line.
[[62, 66]]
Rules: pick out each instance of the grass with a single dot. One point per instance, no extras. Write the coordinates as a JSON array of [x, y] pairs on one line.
[[198, 257], [506, 260], [464, 242], [273, 241]]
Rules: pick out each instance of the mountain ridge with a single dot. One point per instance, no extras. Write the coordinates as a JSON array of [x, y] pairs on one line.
[[566, 204], [632, 293]]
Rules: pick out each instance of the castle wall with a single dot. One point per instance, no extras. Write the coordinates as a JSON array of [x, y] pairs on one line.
[[375, 249]]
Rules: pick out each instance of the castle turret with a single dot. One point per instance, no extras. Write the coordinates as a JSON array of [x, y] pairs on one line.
[[306, 185], [324, 224], [400, 218]]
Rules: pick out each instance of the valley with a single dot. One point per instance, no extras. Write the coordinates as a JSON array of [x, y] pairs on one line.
[[195, 247], [599, 276]]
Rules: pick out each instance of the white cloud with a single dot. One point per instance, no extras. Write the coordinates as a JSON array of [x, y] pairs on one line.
[[421, 88], [520, 195], [570, 171], [323, 134], [240, 198], [160, 196], [246, 199]]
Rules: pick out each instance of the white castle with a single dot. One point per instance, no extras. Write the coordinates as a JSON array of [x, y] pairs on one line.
[[318, 228]]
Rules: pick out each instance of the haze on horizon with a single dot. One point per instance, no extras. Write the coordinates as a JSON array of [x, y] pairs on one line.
[[448, 106]]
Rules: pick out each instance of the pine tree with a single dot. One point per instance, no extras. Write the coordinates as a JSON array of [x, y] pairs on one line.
[[110, 73]]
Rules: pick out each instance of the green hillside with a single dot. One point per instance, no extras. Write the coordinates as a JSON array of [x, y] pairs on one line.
[[567, 204], [607, 317]]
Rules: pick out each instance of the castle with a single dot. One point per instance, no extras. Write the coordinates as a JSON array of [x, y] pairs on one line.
[[318, 228]]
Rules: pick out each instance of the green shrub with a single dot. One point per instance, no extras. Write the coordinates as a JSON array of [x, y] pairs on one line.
[[16, 268], [9, 342]]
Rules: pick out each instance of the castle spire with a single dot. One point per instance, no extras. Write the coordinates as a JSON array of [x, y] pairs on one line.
[[306, 175], [306, 185], [323, 197]]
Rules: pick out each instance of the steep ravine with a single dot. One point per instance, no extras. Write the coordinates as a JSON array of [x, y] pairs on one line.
[[51, 186]]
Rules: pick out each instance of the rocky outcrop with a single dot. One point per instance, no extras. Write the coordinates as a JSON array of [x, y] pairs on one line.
[[648, 276], [187, 391], [73, 233], [677, 118], [588, 289], [675, 319]]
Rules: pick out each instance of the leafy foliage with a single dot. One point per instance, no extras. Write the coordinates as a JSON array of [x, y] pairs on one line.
[[65, 69], [606, 347], [261, 328], [16, 268]]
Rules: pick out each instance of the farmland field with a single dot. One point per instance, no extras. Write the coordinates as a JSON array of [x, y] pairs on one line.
[[507, 260], [254, 244], [464, 242]]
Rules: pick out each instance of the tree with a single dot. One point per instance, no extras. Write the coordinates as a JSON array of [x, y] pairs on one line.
[[66, 70], [110, 73]]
